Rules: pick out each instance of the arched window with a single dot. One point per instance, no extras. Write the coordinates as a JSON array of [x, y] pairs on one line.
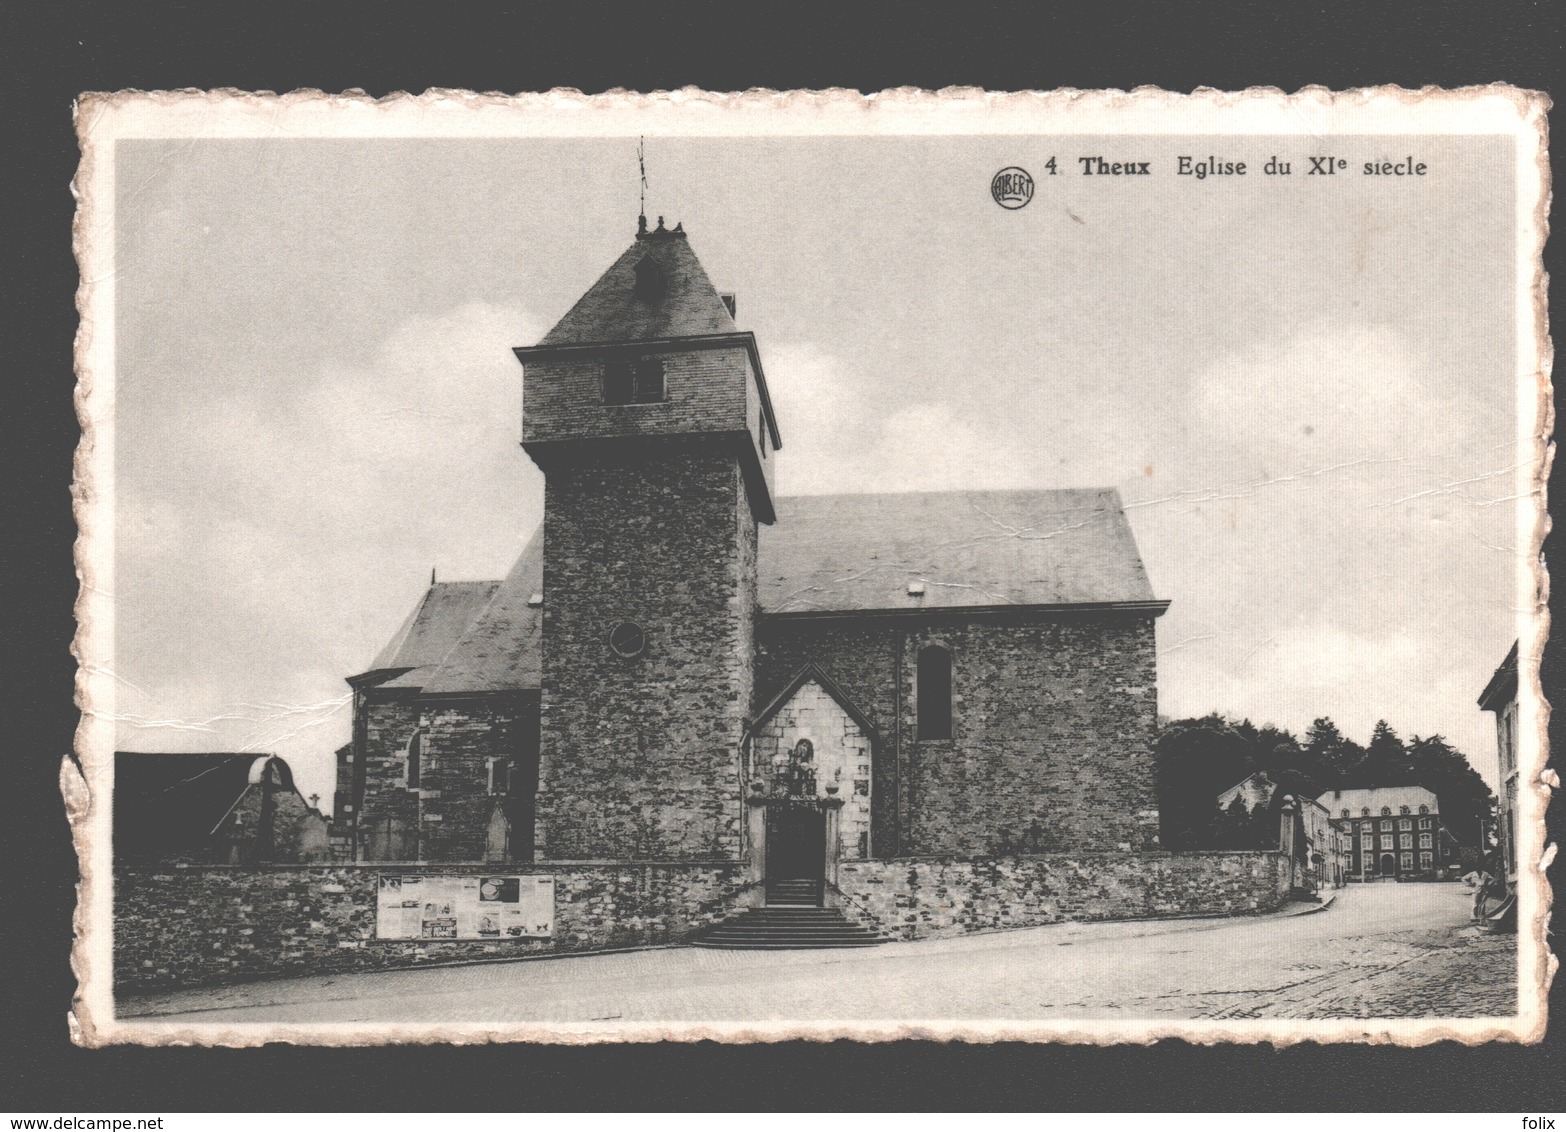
[[1402, 809], [1386, 811], [1424, 809], [1345, 813], [414, 759], [934, 693], [1365, 813]]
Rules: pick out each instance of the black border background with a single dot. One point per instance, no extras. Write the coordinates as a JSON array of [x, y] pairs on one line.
[[49, 53]]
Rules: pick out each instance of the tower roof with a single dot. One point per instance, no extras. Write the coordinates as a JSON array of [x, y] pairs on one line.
[[657, 289]]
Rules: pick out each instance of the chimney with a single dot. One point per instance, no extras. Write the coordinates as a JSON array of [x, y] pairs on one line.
[[729, 301]]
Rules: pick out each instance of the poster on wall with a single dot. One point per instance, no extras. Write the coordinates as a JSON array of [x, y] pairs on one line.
[[464, 907]]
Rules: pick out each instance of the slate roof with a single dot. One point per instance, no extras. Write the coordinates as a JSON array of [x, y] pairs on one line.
[[610, 311], [1336, 801], [846, 553], [436, 624], [167, 804], [502, 648], [826, 554]]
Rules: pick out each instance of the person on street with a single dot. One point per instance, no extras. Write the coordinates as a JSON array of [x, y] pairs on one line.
[[1481, 892]]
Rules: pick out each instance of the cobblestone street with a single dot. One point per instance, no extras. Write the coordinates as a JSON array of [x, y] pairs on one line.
[[1379, 951]]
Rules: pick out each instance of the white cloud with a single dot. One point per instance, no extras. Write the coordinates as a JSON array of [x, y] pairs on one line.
[[277, 550]]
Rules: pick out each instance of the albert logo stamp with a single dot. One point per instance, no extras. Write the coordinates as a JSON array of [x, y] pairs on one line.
[[1012, 187]]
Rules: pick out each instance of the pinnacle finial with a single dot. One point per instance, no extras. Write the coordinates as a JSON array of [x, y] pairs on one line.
[[641, 225]]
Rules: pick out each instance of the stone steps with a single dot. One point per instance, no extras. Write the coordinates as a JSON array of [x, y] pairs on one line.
[[781, 928]]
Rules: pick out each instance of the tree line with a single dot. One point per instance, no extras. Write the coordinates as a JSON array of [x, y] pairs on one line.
[[1198, 759]]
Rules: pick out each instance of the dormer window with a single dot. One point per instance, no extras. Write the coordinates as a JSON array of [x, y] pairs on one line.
[[637, 382], [650, 285]]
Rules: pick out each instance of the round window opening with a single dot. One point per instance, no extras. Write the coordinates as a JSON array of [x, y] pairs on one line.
[[628, 639]]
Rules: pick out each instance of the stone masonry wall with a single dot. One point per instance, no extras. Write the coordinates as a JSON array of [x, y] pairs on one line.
[[194, 925], [460, 738], [704, 391], [919, 899], [1052, 724], [389, 811], [639, 757]]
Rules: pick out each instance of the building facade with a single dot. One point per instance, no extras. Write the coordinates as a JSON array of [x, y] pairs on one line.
[[683, 667], [1393, 832], [1500, 697]]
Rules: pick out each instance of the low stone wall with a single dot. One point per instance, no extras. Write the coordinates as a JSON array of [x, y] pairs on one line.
[[204, 924], [924, 898]]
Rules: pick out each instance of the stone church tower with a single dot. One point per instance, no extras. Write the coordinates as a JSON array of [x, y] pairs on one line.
[[647, 411]]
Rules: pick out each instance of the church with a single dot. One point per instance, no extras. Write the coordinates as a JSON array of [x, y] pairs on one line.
[[685, 667]]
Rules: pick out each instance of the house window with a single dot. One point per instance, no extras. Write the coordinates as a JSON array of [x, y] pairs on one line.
[[1386, 811], [1402, 809], [1424, 823], [1345, 813], [499, 775], [934, 693], [413, 768], [1424, 841], [1386, 841], [1405, 861], [1405, 823], [1426, 861], [1424, 809], [1405, 841], [1365, 813], [1386, 825], [637, 382]]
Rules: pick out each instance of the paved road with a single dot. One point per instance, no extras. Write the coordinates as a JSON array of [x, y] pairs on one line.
[[1379, 951]]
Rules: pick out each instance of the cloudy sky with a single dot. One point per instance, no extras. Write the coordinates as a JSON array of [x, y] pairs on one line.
[[1304, 390]]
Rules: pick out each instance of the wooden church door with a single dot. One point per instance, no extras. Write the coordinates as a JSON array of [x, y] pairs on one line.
[[796, 854]]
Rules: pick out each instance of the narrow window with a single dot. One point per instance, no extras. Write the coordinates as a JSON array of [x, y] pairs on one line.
[[415, 770], [934, 690], [619, 383], [499, 775]]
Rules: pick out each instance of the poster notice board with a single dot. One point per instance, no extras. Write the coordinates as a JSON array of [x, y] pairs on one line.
[[464, 907]]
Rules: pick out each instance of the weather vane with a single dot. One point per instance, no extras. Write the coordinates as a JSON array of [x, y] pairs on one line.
[[641, 163]]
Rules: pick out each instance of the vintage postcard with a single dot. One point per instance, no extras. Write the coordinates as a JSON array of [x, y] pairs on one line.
[[958, 565]]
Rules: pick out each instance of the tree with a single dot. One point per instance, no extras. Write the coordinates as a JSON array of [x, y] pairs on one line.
[[1386, 761], [1197, 759], [1465, 800]]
